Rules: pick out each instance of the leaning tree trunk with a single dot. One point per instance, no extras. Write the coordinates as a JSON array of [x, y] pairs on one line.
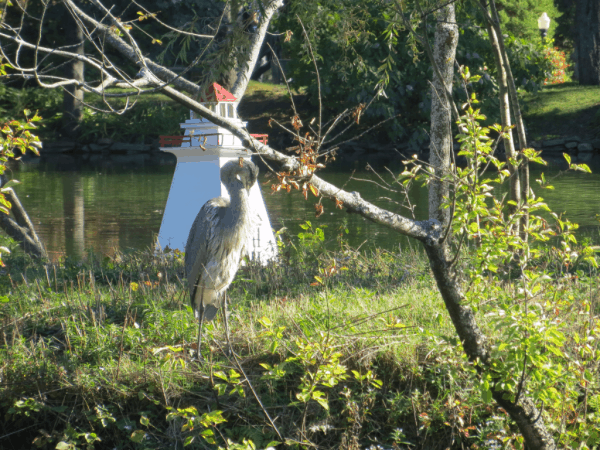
[[587, 17], [74, 69], [525, 414]]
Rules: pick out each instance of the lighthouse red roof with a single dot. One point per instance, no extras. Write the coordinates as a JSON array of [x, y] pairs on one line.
[[217, 93]]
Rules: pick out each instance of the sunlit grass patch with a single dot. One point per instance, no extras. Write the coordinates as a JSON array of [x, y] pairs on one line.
[[562, 110], [106, 348]]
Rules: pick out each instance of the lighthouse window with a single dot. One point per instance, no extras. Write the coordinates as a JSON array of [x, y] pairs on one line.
[[223, 112], [230, 110]]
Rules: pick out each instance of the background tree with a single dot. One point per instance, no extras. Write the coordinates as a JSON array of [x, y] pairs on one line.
[[587, 18], [359, 45], [74, 69]]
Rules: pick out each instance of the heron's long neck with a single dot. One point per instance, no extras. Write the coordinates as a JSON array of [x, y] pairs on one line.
[[240, 206]]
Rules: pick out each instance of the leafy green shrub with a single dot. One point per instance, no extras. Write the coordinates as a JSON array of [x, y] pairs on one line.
[[47, 102], [151, 117], [541, 334], [528, 62]]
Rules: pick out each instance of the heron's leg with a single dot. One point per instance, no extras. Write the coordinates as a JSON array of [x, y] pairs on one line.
[[200, 322], [225, 318]]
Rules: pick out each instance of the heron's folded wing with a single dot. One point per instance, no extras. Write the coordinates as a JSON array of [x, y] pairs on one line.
[[201, 233]]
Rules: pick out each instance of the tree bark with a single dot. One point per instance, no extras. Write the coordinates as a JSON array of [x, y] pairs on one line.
[[441, 146], [74, 69], [232, 9], [587, 17]]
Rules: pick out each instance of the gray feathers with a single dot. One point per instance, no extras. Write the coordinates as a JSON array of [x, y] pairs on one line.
[[217, 238]]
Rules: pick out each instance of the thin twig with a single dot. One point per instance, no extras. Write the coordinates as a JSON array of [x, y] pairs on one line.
[[314, 60]]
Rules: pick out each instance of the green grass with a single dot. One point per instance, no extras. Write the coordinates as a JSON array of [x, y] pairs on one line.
[[257, 89], [99, 347], [104, 350], [563, 110]]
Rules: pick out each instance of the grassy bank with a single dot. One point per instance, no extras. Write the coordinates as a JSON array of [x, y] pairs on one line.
[[100, 355], [563, 110]]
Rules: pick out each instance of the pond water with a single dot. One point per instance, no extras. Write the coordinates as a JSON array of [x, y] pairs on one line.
[[105, 209]]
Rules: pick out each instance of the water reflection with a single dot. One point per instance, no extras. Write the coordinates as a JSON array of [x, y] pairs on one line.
[[108, 209], [75, 211], [74, 215]]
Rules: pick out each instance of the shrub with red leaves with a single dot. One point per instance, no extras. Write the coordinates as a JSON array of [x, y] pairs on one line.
[[559, 65]]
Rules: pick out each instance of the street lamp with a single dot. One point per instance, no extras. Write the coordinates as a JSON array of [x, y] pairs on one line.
[[543, 25]]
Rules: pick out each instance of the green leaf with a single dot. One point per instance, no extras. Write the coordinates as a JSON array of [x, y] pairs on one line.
[[583, 168], [323, 402], [138, 436], [556, 351], [221, 375], [144, 421], [221, 389], [486, 395], [303, 396], [62, 445], [188, 440], [208, 436], [10, 183]]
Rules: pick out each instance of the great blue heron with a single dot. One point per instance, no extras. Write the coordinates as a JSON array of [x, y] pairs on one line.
[[216, 243]]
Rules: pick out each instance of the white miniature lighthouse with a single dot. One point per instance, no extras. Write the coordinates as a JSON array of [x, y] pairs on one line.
[[201, 152]]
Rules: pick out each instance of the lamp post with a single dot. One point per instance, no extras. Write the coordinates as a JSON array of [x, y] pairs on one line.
[[544, 25]]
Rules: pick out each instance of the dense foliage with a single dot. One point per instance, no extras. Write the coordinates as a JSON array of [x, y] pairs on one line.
[[361, 48], [519, 17], [345, 350]]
